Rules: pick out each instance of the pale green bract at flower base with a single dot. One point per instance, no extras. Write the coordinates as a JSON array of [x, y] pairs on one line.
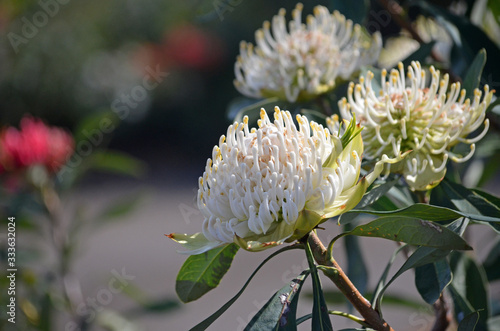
[[429, 121], [305, 60], [274, 184]]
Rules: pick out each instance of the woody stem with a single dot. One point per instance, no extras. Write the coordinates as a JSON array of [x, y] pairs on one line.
[[344, 284]]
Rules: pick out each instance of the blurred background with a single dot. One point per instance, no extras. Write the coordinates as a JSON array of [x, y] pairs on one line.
[[159, 74]]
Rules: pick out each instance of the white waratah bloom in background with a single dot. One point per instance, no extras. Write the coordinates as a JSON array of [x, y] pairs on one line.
[[307, 59], [407, 115], [276, 183]]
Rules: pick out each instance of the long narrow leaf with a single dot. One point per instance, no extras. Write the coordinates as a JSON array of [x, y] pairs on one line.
[[429, 213], [431, 279], [320, 318], [413, 231], [421, 256], [209, 320], [278, 313]]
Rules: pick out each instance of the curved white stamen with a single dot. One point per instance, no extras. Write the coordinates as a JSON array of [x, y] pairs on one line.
[[409, 116], [307, 59]]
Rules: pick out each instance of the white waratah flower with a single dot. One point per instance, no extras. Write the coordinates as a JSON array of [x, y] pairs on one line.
[[305, 61], [276, 183], [429, 121]]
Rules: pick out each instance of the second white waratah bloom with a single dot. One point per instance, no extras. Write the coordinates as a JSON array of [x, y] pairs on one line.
[[305, 60], [408, 115], [276, 183]]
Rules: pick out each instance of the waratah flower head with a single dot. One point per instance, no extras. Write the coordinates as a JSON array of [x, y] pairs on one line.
[[408, 115], [306, 60], [34, 144], [276, 183]]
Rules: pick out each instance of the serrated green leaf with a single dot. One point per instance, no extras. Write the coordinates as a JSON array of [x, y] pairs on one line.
[[320, 318], [203, 272], [431, 279], [473, 75], [412, 231], [279, 313], [203, 325]]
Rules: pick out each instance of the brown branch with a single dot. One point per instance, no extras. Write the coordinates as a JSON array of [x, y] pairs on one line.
[[345, 285], [442, 318]]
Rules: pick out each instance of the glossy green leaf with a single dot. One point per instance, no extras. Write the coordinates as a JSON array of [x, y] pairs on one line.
[[491, 264], [473, 76], [376, 193], [471, 202], [320, 318], [279, 313], [421, 256], [469, 281], [203, 325], [203, 272], [429, 213], [412, 231], [431, 279], [469, 322], [461, 307], [382, 282], [490, 201]]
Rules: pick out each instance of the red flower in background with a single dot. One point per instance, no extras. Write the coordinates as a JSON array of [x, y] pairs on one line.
[[185, 46], [34, 144]]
